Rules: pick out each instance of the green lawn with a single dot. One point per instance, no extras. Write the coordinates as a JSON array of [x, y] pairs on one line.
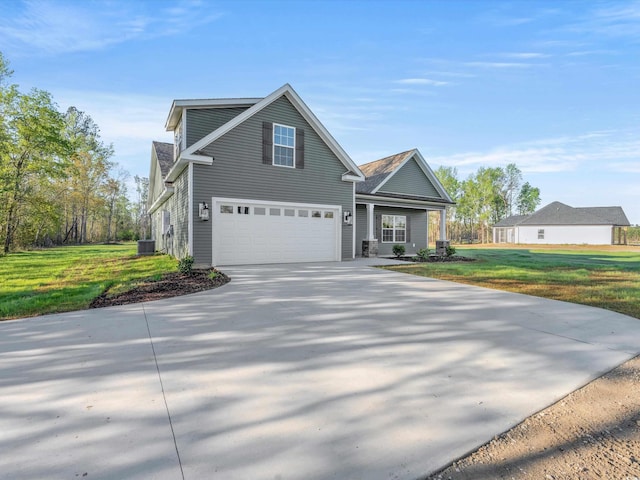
[[68, 278], [607, 277]]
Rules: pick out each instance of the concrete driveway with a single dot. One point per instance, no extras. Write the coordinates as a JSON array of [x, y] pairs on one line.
[[314, 371]]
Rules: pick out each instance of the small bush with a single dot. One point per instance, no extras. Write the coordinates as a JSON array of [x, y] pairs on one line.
[[450, 251], [213, 274], [185, 265], [423, 254], [398, 250]]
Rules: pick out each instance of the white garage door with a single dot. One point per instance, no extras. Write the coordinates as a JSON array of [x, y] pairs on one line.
[[247, 231]]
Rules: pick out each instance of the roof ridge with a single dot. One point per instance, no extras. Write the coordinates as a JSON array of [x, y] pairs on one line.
[[388, 157]]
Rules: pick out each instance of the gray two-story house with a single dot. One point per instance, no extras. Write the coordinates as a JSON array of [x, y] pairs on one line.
[[261, 180]]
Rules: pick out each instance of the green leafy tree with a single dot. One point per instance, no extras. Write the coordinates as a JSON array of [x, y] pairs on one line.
[[528, 199], [31, 147], [89, 171], [511, 188], [140, 210], [448, 177]]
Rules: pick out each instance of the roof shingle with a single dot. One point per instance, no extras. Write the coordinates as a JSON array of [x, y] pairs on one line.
[[164, 153], [375, 172], [557, 213]]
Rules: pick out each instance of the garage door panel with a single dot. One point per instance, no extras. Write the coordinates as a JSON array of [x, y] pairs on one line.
[[242, 238]]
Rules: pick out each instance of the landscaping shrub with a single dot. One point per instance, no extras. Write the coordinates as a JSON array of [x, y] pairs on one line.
[[398, 250], [450, 251], [423, 254], [185, 265]]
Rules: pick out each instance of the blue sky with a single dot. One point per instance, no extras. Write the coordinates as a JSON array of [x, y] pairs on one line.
[[553, 87]]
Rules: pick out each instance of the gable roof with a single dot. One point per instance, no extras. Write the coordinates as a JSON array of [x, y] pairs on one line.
[[558, 213], [177, 106], [193, 152], [613, 215], [164, 154], [379, 172]]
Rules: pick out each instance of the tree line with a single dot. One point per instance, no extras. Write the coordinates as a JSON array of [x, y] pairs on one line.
[[482, 199], [58, 182]]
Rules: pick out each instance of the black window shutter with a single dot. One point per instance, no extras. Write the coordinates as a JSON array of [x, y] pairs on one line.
[[299, 148], [267, 143], [408, 239], [379, 228]]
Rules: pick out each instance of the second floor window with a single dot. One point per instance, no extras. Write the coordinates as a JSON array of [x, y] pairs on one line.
[[284, 145]]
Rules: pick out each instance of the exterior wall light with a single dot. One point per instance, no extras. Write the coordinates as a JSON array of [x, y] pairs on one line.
[[203, 211]]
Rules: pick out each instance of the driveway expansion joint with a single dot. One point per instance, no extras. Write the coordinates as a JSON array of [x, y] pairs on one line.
[[164, 397]]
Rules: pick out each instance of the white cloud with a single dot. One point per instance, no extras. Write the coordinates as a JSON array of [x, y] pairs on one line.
[[524, 55], [613, 151], [584, 53], [69, 26], [129, 122], [422, 81], [502, 65]]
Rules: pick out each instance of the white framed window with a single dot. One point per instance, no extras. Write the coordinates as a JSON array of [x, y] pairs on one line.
[[284, 145], [541, 234], [316, 214], [328, 214], [226, 209], [303, 213], [394, 228], [259, 211]]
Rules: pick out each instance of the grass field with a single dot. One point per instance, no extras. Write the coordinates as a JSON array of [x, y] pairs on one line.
[[68, 278], [607, 277]]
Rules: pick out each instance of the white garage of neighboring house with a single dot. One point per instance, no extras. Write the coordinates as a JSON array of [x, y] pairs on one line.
[[558, 224]]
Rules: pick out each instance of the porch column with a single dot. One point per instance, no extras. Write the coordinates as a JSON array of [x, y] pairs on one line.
[[370, 245], [443, 224], [371, 227]]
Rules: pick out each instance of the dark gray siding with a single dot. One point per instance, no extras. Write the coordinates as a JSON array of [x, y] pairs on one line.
[[238, 172], [201, 122], [177, 205], [361, 227], [411, 180], [164, 242], [180, 215], [156, 184], [418, 229]]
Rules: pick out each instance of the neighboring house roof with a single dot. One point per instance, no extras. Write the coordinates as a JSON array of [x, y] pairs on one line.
[[379, 172], [164, 154], [613, 215], [193, 154], [511, 221], [557, 213]]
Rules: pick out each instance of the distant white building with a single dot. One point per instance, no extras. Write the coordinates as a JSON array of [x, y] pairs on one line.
[[558, 223]]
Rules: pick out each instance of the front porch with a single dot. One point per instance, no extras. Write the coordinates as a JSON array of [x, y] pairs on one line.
[[382, 224]]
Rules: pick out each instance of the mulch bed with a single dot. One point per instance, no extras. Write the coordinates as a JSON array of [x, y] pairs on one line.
[[170, 285], [436, 258]]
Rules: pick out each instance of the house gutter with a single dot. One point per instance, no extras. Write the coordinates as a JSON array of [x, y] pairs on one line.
[[167, 192]]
